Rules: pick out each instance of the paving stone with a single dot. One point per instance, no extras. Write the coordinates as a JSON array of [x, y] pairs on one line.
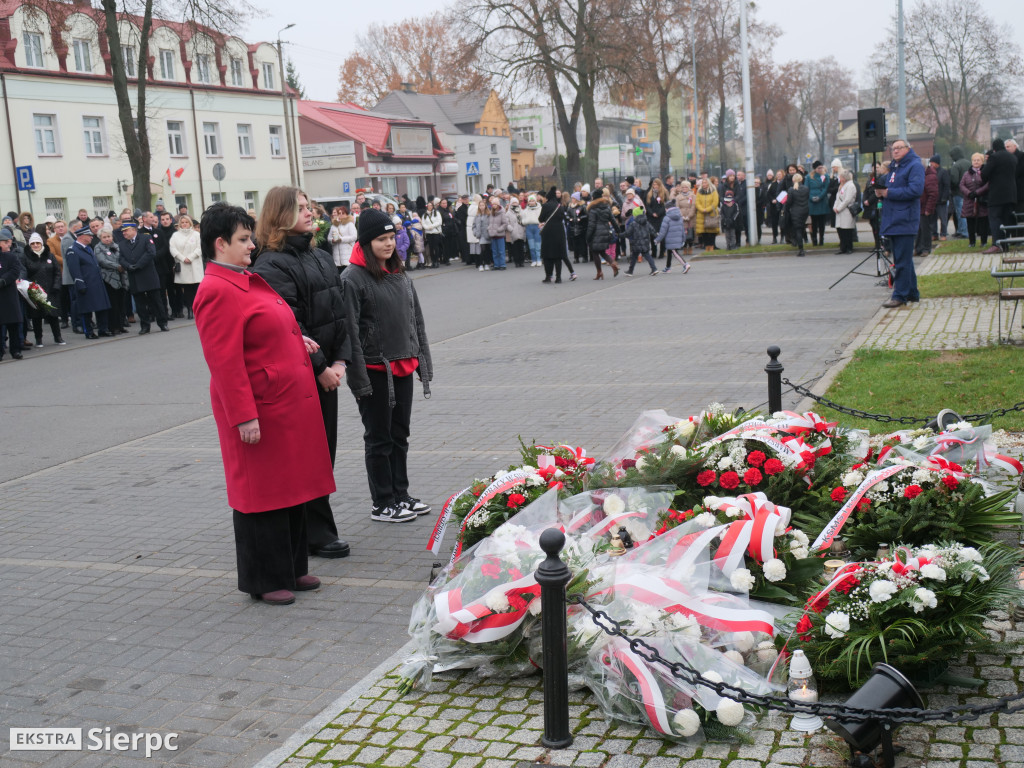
[[590, 760], [369, 755], [434, 760], [341, 752]]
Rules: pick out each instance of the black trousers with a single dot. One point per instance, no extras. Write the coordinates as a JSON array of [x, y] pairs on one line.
[[516, 250], [118, 298], [550, 266], [189, 292], [845, 240], [818, 228], [37, 327], [151, 306], [320, 526], [977, 226], [924, 233], [270, 549], [386, 437]]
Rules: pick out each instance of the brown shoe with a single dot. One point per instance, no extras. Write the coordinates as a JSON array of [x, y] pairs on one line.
[[893, 303], [993, 249], [306, 583], [277, 597]]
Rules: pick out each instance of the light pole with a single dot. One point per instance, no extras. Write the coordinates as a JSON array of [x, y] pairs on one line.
[[284, 106]]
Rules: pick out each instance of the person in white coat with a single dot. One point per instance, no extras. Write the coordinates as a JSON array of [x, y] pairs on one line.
[[531, 223], [846, 224], [431, 221], [342, 236], [471, 238], [188, 260]]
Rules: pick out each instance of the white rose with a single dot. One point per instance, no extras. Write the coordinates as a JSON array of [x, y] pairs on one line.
[[932, 571], [705, 520], [679, 452], [882, 486], [687, 722], [613, 505], [742, 580], [724, 463], [497, 602], [836, 624], [799, 552], [881, 590], [774, 569], [730, 712], [923, 598], [853, 479], [734, 656]]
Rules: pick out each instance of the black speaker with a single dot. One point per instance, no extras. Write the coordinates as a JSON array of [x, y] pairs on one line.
[[871, 130]]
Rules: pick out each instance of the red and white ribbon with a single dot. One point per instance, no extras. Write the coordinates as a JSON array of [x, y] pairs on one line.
[[504, 483], [476, 622], [650, 691], [835, 525], [437, 535]]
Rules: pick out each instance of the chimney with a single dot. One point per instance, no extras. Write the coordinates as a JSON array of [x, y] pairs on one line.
[[409, 87]]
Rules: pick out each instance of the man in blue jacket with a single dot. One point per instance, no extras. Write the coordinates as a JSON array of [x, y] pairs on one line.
[[901, 218]]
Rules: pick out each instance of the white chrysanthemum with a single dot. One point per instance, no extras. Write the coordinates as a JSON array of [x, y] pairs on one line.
[[789, 459], [679, 452], [799, 552], [960, 425], [712, 677], [724, 463], [613, 505], [534, 480], [735, 657], [528, 468], [500, 474], [881, 590], [780, 527], [853, 479], [640, 463], [882, 486], [535, 607], [837, 624], [766, 651], [981, 572], [774, 569], [637, 531], [921, 442], [800, 537], [971, 554], [884, 567], [744, 641], [923, 598], [932, 571], [730, 712], [732, 511], [684, 428], [686, 722], [644, 619], [497, 602], [738, 454], [742, 580], [705, 520]]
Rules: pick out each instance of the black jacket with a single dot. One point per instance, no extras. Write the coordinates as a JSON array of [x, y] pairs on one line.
[[599, 225], [798, 205], [139, 260], [307, 279], [162, 244], [44, 271], [1000, 171], [945, 188], [1019, 154], [385, 322]]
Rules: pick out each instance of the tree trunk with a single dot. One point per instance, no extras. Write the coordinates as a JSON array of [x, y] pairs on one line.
[[133, 126], [722, 156], [592, 134], [666, 150]]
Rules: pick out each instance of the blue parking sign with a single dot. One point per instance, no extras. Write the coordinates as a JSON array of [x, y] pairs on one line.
[[25, 180], [346, 187]]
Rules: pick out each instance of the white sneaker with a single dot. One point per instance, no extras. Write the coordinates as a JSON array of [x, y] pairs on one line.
[[480, 268], [392, 514], [414, 505], [487, 268]]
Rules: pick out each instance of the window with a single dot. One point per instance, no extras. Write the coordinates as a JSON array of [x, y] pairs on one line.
[[180, 200], [46, 134], [33, 49], [203, 68], [236, 72], [101, 206], [494, 149], [56, 206], [92, 128], [83, 55], [176, 138], [130, 57], [245, 140], [166, 64], [389, 185], [275, 141], [218, 197], [268, 75], [472, 148], [252, 200], [412, 186], [496, 181], [211, 139], [525, 133], [641, 133]]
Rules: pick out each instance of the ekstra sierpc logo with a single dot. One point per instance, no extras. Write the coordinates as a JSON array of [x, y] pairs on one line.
[[93, 740]]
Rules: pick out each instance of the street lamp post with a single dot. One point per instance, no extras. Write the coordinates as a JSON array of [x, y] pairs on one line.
[[284, 107]]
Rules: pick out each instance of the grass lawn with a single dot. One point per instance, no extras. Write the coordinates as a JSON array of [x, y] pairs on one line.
[[956, 284], [921, 383]]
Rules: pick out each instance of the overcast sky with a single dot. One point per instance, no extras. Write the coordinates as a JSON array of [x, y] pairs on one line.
[[325, 33]]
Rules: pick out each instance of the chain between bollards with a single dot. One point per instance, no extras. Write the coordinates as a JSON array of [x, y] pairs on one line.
[[774, 370], [553, 575]]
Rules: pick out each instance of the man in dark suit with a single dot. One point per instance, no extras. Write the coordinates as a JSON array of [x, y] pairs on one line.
[[1013, 149], [138, 257], [1000, 173]]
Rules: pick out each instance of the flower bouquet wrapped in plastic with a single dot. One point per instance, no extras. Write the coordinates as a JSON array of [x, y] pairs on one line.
[[963, 444], [917, 611], [36, 296]]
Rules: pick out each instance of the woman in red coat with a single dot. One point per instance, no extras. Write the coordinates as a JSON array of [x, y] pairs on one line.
[[266, 407]]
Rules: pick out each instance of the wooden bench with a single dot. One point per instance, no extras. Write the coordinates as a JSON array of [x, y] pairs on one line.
[[1007, 292]]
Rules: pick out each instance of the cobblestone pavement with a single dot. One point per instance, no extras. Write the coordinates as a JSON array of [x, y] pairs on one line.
[[120, 607]]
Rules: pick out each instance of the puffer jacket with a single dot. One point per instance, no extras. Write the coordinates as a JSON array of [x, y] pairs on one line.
[[638, 230], [385, 323], [516, 229], [974, 192], [497, 225], [531, 215], [480, 230], [599, 221], [306, 278], [672, 232], [901, 208], [107, 256], [431, 223], [687, 205]]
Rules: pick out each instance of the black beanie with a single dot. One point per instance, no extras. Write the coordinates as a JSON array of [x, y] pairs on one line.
[[372, 224]]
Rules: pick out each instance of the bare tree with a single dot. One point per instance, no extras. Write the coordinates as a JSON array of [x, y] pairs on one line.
[[775, 116], [430, 52], [825, 90], [962, 67]]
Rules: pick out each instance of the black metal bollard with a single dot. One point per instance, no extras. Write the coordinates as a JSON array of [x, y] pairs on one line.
[[774, 370], [553, 575]]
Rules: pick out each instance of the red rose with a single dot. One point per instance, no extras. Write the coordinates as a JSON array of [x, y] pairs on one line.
[[515, 574], [863, 504], [773, 467], [752, 476], [628, 463], [560, 462], [912, 492], [820, 604], [515, 500], [804, 627], [950, 482], [491, 570], [756, 458], [838, 494], [707, 477], [729, 480]]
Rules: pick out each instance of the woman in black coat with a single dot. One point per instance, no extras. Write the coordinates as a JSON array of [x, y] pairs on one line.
[[599, 234], [798, 208], [449, 233], [552, 236], [10, 303], [42, 270]]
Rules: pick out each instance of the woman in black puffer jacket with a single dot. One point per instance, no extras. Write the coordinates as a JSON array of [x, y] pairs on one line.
[[599, 234], [307, 279], [389, 344], [798, 208]]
